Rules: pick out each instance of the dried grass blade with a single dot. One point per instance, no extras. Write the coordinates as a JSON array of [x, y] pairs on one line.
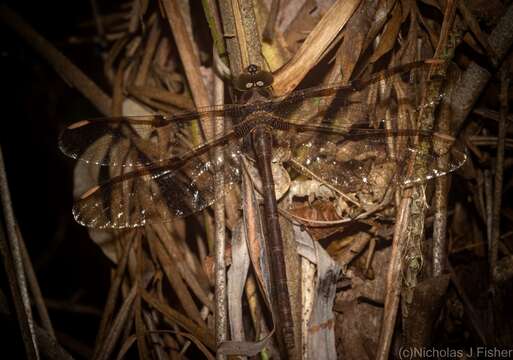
[[112, 295], [176, 282], [174, 317], [117, 327], [190, 59], [314, 47], [393, 279]]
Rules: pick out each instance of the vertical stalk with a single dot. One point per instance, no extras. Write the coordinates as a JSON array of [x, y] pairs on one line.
[[10, 251], [393, 280], [220, 236], [499, 170]]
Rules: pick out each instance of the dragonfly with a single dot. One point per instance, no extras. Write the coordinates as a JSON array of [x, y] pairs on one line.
[[160, 167]]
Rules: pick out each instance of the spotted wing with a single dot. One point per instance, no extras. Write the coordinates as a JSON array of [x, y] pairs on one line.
[[181, 186], [347, 133], [359, 158], [151, 168]]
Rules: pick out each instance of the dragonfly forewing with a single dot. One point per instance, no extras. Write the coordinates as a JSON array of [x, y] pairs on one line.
[[156, 138]]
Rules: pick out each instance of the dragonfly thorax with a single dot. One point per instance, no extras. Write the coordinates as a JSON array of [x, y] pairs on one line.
[[258, 119]]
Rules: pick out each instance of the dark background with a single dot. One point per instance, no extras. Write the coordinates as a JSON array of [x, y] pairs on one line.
[[36, 104]]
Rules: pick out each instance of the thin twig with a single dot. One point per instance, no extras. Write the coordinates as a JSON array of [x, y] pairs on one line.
[[499, 171], [214, 23], [489, 205], [230, 36], [112, 295], [167, 97], [72, 307], [441, 190], [35, 289], [118, 95], [393, 280], [11, 253], [148, 54], [190, 59], [119, 322], [221, 317], [175, 259]]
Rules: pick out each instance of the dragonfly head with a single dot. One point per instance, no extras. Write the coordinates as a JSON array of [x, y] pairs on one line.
[[253, 78]]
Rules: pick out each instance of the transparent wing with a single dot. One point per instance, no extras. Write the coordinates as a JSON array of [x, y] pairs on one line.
[[180, 187], [343, 104], [350, 134], [155, 138], [359, 158]]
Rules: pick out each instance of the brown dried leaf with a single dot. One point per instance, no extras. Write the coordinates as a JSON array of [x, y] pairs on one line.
[[314, 47], [355, 35], [320, 211], [174, 317]]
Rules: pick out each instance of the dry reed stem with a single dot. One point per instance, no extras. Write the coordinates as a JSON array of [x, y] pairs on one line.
[[12, 258], [189, 58], [410, 214], [440, 202], [247, 41], [117, 89], [140, 330], [171, 269], [154, 93], [314, 47], [499, 174], [445, 50], [35, 290], [148, 55], [220, 316], [118, 325], [174, 317], [112, 295], [393, 279], [214, 23]]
